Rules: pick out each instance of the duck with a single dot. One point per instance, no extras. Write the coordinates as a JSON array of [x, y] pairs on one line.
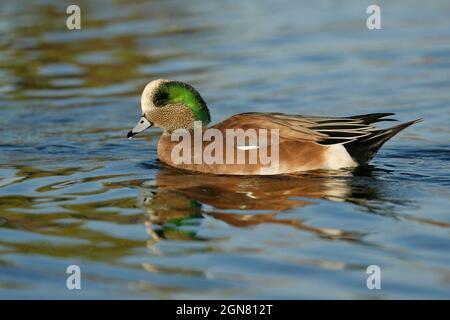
[[296, 143]]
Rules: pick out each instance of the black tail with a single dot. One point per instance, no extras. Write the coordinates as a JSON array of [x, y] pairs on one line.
[[364, 149]]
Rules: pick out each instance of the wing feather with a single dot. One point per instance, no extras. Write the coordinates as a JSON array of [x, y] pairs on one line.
[[322, 130]]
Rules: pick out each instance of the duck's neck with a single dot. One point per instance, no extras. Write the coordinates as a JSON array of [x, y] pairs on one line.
[[196, 125]]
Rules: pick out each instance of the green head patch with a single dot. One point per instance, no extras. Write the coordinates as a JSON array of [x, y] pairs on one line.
[[176, 92]]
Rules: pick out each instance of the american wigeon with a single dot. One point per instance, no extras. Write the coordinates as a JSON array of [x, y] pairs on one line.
[[303, 142]]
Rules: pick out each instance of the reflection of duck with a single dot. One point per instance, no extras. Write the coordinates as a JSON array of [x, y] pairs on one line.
[[176, 205], [255, 192], [297, 143], [174, 202]]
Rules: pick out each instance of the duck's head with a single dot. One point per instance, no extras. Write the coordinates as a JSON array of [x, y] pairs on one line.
[[170, 105]]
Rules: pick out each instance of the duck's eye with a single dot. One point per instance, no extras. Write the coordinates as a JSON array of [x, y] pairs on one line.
[[160, 98], [142, 121]]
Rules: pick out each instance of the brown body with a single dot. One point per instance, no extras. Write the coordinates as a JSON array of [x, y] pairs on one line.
[[294, 155]]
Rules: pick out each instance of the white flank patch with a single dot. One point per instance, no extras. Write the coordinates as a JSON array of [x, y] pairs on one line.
[[247, 147], [337, 157]]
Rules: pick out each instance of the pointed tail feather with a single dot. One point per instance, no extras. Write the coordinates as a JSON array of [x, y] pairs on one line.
[[364, 149], [373, 117]]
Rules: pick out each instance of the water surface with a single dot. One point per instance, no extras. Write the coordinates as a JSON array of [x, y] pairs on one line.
[[74, 190]]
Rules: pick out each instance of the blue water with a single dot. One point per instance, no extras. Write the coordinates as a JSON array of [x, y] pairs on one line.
[[74, 190]]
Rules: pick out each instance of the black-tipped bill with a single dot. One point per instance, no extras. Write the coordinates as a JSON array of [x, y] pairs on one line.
[[142, 125]]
